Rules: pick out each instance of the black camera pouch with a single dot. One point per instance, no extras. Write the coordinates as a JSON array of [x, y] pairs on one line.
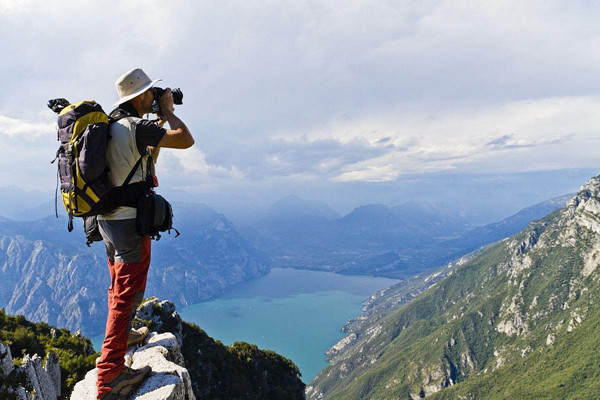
[[154, 215], [92, 231]]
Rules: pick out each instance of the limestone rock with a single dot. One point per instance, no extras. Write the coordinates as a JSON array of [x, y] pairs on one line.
[[166, 340], [156, 356], [52, 368], [86, 389], [162, 317], [45, 381], [6, 362], [341, 345], [169, 380], [161, 386], [39, 379]]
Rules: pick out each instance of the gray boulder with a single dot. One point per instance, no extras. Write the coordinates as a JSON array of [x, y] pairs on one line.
[[161, 316], [52, 369], [169, 379], [39, 379], [41, 382], [6, 362]]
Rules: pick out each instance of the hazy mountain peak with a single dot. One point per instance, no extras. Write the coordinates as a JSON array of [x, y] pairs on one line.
[[292, 206], [369, 211], [14, 200]]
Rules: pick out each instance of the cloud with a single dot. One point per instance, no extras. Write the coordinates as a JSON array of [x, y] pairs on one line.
[[10, 7], [384, 173], [470, 140], [281, 157], [194, 161], [325, 91], [383, 146], [507, 142], [26, 130]]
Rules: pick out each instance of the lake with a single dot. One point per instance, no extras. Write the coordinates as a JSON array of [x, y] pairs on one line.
[[297, 313]]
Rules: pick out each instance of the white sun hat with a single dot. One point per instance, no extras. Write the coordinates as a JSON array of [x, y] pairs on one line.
[[132, 84]]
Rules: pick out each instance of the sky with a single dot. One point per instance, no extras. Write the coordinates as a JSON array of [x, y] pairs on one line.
[[319, 98]]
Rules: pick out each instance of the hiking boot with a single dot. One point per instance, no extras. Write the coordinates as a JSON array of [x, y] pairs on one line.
[[124, 384], [137, 336]]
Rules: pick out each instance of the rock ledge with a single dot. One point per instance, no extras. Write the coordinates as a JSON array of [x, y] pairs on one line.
[[169, 379]]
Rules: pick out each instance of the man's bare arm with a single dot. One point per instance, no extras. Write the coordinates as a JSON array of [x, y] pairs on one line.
[[179, 136], [155, 150]]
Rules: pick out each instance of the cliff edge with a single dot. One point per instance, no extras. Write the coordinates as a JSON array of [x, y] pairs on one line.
[[187, 364], [169, 380]]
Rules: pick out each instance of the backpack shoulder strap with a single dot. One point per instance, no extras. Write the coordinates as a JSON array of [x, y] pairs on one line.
[[132, 172], [116, 116]]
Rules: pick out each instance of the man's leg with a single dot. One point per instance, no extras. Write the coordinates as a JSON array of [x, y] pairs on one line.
[[129, 271], [139, 294]]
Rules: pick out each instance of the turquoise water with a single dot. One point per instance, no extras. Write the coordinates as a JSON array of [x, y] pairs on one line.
[[296, 313]]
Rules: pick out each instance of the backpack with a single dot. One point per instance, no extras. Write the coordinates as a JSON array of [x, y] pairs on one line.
[[86, 190]]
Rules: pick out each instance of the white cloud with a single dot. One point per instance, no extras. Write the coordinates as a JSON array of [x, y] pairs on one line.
[[11, 7], [342, 91], [384, 173], [475, 140], [193, 162], [26, 130]]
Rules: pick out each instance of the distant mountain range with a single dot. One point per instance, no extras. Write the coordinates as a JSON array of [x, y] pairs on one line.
[[517, 320], [375, 239], [14, 200], [50, 275]]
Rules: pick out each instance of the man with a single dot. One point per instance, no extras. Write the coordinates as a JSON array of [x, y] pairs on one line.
[[128, 253]]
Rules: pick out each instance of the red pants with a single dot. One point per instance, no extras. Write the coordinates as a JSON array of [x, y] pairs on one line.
[[126, 291]]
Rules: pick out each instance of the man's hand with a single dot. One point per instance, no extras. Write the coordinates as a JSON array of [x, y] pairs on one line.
[[166, 102], [179, 136]]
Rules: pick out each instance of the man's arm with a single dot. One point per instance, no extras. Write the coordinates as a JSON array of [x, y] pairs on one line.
[[179, 136], [155, 150]]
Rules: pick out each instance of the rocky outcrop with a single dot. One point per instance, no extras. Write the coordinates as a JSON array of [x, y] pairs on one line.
[[161, 350], [341, 345], [189, 364], [169, 379], [6, 362], [31, 380], [162, 317]]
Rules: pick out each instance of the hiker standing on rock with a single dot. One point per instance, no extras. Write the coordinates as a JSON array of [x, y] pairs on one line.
[[128, 253]]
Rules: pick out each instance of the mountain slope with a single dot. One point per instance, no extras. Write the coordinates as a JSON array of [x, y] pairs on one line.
[[496, 327], [489, 233], [50, 275]]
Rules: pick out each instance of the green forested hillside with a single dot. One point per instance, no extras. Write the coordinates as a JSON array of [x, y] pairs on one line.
[[239, 371], [518, 321]]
